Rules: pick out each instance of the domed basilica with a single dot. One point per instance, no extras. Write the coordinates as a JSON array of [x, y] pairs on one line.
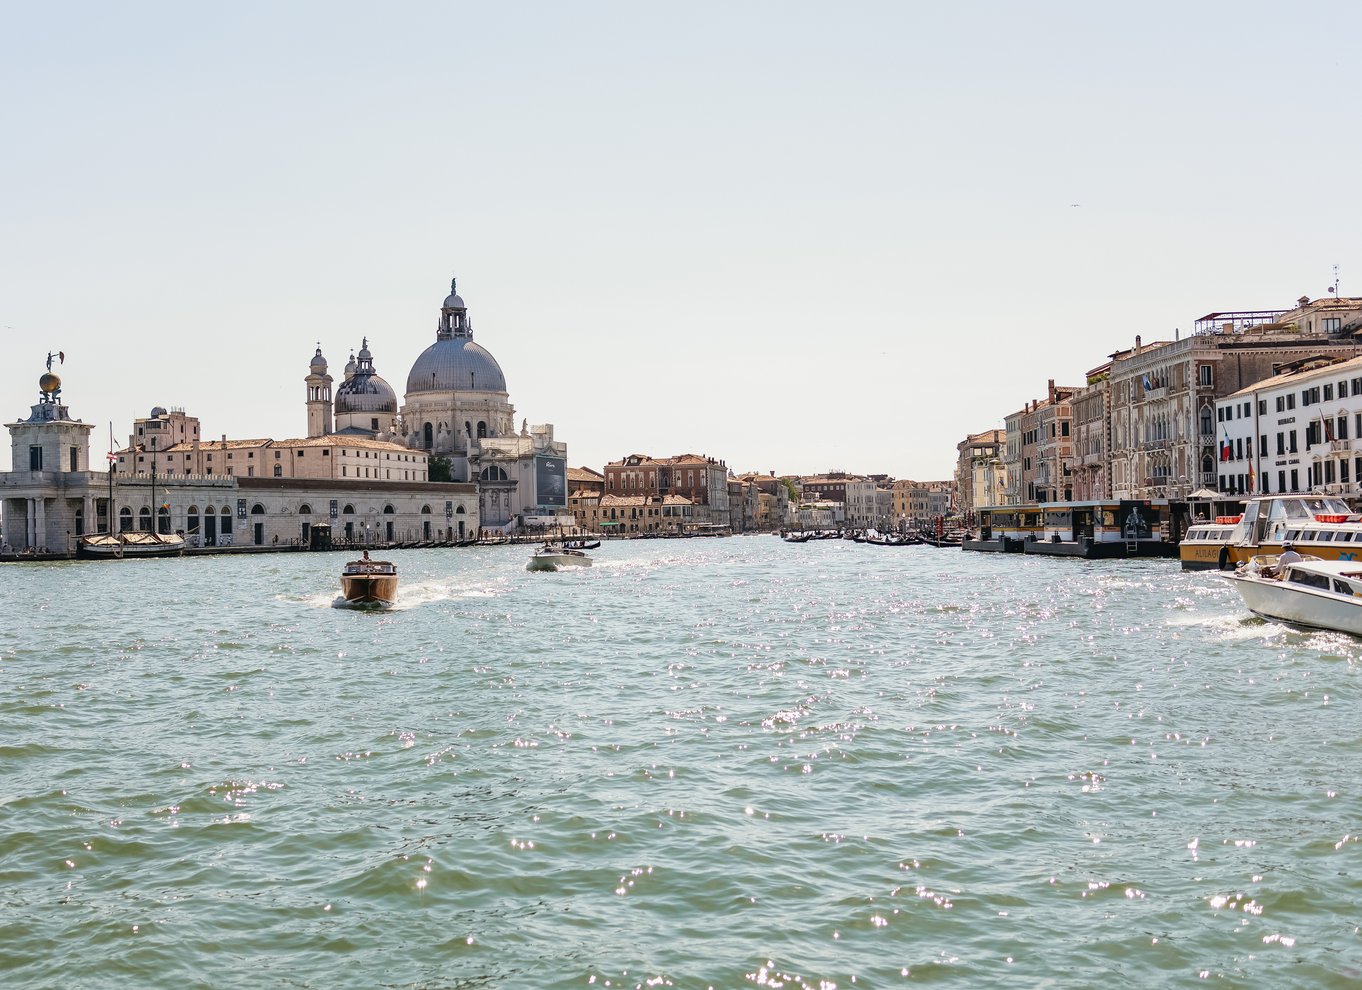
[[456, 409]]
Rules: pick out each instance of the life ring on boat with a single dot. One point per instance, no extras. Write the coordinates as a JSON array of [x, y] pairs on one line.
[[1225, 564]]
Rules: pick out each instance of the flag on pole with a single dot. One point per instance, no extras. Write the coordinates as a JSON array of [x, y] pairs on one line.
[[1225, 449], [1328, 427], [112, 457], [1251, 485]]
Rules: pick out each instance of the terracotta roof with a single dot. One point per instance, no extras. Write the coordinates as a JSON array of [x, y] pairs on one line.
[[366, 443], [584, 474], [627, 500]]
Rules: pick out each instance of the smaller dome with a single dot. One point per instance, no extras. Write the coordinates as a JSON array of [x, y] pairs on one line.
[[157, 411], [453, 301], [319, 362], [367, 394], [350, 367]]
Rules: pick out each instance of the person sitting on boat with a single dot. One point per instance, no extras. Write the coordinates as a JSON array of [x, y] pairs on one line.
[[1287, 556]]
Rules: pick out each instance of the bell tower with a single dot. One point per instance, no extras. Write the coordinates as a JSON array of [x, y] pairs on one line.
[[318, 397]]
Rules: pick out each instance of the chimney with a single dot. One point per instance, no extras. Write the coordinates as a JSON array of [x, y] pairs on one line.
[[1137, 343]]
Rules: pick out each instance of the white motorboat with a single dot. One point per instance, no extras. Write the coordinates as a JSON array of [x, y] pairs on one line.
[[555, 557], [1322, 594]]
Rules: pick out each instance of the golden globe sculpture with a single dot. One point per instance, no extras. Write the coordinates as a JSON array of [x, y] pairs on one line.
[[49, 383]]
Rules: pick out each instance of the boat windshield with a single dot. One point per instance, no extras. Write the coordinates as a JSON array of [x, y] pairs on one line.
[[1311, 580]]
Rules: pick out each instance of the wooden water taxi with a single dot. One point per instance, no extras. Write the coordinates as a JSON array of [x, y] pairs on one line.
[[369, 582]]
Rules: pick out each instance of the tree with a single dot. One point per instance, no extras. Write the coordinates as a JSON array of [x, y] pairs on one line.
[[441, 469]]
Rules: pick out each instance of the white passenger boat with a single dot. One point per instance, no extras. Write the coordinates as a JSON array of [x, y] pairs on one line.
[[1321, 525], [1322, 594], [555, 557], [369, 582]]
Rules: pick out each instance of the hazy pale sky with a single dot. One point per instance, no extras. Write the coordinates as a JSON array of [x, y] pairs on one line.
[[795, 236]]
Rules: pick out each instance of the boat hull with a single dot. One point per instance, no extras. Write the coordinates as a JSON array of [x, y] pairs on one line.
[[556, 562], [1283, 602], [369, 589], [130, 545]]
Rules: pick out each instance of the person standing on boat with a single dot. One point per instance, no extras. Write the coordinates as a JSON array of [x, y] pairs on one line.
[[1288, 555]]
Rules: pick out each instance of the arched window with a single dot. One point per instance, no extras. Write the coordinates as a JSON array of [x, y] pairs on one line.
[[144, 520], [468, 428], [482, 429], [493, 473], [279, 470], [425, 510], [304, 509], [387, 510], [163, 519], [124, 519], [428, 432], [349, 510], [192, 520], [459, 511], [257, 509]]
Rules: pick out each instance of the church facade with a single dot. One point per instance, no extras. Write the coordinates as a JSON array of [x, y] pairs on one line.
[[443, 464], [457, 411]]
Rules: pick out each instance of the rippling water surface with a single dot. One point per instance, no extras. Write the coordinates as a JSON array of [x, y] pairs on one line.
[[703, 763]]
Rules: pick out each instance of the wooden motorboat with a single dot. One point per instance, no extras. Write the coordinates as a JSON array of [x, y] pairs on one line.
[[1321, 594], [555, 557], [369, 582]]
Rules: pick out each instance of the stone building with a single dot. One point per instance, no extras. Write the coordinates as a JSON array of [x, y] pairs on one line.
[[1091, 416], [1163, 395], [979, 475], [51, 497], [773, 501], [1298, 431], [1053, 450], [701, 481]]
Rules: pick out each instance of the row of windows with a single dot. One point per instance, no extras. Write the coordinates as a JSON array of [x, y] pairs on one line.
[[1316, 431], [1327, 472]]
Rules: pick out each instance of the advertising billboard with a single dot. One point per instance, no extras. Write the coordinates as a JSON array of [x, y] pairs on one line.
[[550, 481]]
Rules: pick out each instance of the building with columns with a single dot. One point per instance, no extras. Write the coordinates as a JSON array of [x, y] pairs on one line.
[[57, 499]]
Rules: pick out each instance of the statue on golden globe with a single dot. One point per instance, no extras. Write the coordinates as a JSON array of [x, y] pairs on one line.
[[50, 384]]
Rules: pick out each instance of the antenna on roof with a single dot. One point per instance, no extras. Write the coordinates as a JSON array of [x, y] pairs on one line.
[[1334, 288]]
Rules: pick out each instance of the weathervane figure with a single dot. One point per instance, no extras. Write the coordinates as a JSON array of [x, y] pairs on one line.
[[59, 355]]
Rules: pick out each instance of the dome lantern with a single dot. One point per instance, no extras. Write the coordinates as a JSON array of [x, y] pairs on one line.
[[454, 362]]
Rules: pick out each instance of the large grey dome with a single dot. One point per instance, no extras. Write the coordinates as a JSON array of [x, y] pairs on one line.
[[455, 363]]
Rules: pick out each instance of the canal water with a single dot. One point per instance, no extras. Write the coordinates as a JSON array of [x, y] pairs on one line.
[[703, 763]]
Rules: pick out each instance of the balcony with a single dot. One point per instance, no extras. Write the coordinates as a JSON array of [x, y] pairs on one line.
[[1336, 446]]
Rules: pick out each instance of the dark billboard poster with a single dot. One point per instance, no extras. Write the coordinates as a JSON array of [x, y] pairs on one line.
[[1138, 520], [550, 481]]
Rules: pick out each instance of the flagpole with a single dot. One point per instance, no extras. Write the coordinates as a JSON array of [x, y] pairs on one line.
[[111, 474]]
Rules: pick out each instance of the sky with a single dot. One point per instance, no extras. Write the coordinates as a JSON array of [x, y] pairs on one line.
[[795, 236]]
